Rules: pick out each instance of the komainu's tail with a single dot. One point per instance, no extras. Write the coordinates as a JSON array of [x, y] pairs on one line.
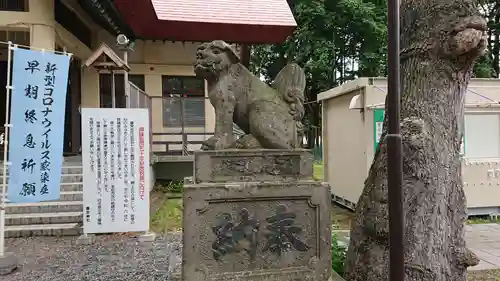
[[290, 83]]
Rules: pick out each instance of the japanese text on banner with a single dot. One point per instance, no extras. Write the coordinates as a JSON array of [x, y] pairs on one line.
[[39, 81]]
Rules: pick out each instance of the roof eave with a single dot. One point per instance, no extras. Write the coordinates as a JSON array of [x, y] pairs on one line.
[[104, 13]]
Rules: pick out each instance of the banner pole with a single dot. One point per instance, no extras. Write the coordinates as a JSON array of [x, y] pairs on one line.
[[7, 125]]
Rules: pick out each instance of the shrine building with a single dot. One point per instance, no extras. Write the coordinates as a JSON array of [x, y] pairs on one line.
[[163, 36]]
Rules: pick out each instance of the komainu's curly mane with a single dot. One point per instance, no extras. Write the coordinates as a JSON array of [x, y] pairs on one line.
[[291, 83]]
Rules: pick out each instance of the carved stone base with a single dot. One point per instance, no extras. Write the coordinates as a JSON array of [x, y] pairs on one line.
[[253, 165], [256, 229]]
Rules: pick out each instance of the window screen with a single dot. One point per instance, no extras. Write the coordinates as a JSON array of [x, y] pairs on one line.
[[183, 101]]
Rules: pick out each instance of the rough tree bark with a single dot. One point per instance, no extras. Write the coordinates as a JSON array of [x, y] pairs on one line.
[[440, 40]]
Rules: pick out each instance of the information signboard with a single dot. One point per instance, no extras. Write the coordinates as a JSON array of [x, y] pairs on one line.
[[116, 176]]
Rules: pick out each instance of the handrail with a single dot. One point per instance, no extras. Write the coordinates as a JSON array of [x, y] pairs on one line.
[[140, 99], [184, 142], [139, 89], [186, 133]]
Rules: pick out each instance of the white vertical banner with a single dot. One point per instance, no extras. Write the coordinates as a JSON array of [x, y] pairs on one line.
[[116, 176]]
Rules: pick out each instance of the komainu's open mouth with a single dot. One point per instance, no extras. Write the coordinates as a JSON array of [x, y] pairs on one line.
[[202, 67]]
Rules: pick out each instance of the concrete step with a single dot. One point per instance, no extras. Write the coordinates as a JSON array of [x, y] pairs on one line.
[[66, 169], [62, 229], [66, 186], [43, 218], [66, 196], [75, 186], [65, 178], [44, 207]]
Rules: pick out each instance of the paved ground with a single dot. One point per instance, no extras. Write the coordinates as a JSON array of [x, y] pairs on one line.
[[484, 241]]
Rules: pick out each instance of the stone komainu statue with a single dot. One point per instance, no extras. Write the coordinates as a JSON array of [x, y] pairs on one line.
[[269, 116]]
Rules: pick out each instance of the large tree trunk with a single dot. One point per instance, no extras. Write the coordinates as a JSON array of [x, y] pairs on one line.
[[440, 41]]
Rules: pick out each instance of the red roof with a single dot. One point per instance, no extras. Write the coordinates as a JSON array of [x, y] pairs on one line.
[[240, 21]]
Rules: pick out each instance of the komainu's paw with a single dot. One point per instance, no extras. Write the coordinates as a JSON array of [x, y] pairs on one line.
[[218, 142], [246, 142]]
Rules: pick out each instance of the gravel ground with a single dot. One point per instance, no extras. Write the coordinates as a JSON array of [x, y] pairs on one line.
[[110, 258], [484, 275]]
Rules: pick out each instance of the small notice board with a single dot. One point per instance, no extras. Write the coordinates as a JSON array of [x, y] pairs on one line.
[[116, 177]]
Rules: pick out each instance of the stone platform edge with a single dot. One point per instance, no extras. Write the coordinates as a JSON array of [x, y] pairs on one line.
[[237, 165]]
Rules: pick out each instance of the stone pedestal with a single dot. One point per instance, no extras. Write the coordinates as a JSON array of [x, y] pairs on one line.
[[256, 215]]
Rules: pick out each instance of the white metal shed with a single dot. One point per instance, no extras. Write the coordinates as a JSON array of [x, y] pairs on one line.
[[352, 116]]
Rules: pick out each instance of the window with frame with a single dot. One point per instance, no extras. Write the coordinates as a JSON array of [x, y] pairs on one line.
[[482, 135], [105, 89], [16, 37], [14, 5], [183, 101]]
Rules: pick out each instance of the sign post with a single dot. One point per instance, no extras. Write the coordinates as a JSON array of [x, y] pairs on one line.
[[394, 145], [8, 261], [116, 177]]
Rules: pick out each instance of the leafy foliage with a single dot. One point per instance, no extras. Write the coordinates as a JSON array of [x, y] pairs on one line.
[[338, 256], [336, 40], [339, 40], [170, 187], [488, 65]]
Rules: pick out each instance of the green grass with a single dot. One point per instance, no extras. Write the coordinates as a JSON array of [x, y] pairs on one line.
[[168, 217], [169, 186], [318, 171], [482, 220], [338, 255]]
